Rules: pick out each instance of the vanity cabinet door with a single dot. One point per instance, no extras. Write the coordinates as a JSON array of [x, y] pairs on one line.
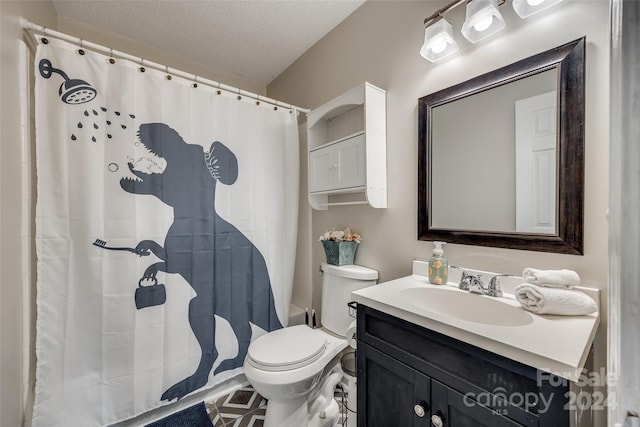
[[396, 395], [453, 409]]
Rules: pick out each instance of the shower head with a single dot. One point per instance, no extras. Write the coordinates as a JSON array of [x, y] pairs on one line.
[[72, 91], [76, 91]]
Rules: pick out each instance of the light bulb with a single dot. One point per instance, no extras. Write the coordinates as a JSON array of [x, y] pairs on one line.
[[484, 23], [535, 2], [438, 46]]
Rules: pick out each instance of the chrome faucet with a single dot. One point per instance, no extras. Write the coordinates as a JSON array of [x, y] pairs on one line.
[[475, 285]]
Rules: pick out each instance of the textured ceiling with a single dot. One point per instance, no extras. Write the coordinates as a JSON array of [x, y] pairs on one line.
[[255, 39]]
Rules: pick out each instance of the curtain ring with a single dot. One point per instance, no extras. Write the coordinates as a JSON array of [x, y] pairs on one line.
[[142, 69], [166, 68], [219, 92], [81, 50], [239, 96], [258, 99], [111, 60], [195, 81], [44, 39]]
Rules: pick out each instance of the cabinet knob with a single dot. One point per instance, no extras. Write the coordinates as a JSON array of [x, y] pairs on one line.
[[419, 410], [436, 421]]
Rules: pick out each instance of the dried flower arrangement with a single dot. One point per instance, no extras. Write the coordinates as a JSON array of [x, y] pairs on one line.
[[345, 235]]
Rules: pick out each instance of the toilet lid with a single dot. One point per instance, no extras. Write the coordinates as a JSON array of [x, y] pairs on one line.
[[287, 348]]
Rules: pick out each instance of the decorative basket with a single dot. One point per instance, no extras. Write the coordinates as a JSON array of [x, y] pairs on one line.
[[339, 253]]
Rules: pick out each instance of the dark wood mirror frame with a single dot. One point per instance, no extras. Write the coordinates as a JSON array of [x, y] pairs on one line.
[[569, 60]]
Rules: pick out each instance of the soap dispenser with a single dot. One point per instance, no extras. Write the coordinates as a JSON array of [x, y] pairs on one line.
[[438, 265]]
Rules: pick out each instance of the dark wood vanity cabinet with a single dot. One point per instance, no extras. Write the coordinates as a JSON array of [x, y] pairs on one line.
[[409, 376]]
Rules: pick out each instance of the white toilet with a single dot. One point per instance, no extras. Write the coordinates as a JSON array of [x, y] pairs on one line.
[[297, 368]]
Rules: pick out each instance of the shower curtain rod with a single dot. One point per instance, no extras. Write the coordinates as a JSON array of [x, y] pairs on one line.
[[30, 26]]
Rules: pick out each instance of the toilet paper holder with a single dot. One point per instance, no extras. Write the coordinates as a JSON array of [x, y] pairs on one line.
[[353, 308]]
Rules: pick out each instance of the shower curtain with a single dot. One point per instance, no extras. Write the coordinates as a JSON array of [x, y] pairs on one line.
[[165, 233]]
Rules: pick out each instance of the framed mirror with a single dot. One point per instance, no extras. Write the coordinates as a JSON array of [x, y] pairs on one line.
[[501, 156]]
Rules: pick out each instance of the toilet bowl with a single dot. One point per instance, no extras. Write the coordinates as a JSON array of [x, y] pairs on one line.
[[287, 369], [297, 368]]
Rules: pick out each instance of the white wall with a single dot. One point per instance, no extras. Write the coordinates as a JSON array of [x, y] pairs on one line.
[[13, 242], [380, 43]]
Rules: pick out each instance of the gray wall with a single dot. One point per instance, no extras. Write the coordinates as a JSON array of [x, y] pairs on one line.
[[380, 43]]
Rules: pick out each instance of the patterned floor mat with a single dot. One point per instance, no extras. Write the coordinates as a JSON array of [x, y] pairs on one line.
[[246, 408]]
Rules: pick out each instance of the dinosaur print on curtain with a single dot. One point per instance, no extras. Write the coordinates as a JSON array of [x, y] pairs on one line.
[[165, 234]]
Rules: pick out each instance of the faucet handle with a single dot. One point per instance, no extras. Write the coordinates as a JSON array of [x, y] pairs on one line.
[[465, 281], [464, 284], [493, 290]]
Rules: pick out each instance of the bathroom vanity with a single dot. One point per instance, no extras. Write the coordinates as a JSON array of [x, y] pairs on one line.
[[438, 356], [412, 376]]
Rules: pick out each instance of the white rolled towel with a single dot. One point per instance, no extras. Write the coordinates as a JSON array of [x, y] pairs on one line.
[[554, 301], [552, 278]]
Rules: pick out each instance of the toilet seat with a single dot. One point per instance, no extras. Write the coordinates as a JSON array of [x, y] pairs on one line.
[[287, 349]]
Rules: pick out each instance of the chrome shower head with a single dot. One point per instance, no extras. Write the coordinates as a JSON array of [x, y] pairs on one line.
[[72, 91]]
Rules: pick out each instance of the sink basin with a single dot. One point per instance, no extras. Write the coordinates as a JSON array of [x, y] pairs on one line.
[[466, 306]]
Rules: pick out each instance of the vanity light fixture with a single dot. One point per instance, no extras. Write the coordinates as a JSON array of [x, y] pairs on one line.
[[438, 40], [526, 8], [483, 19]]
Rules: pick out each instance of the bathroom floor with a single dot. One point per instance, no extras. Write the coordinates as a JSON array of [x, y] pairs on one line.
[[246, 408]]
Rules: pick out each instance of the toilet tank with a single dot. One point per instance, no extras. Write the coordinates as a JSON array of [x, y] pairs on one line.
[[338, 281]]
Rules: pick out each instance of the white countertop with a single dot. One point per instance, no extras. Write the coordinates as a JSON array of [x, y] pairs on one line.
[[556, 344]]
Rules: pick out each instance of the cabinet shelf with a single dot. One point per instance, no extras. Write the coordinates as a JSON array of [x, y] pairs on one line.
[[335, 141], [355, 202], [346, 190], [347, 148]]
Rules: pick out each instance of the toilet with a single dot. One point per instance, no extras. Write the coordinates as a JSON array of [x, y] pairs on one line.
[[297, 368]]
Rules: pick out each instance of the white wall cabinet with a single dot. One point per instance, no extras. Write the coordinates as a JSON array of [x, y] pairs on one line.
[[347, 143]]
